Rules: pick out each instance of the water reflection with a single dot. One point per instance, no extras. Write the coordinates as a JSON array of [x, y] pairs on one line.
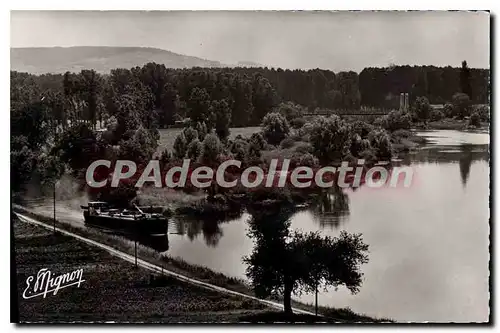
[[193, 227], [330, 208], [465, 163]]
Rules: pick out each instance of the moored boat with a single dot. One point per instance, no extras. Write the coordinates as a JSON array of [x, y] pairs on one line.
[[101, 214]]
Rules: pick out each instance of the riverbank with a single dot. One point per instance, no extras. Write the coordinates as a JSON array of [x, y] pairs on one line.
[[112, 290], [197, 272]]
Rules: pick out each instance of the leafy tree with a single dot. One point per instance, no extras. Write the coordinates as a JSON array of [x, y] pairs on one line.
[[194, 149], [283, 263], [78, 147], [475, 119], [381, 142], [461, 105], [263, 98], [32, 121], [436, 115], [289, 110], [22, 162], [465, 77], [190, 134], [180, 146], [165, 157], [393, 121], [139, 148], [330, 138], [258, 140], [222, 113], [199, 104], [212, 148], [422, 108], [239, 150], [202, 130], [275, 128]]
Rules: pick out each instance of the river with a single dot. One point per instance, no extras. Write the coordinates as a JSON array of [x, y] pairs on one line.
[[428, 244]]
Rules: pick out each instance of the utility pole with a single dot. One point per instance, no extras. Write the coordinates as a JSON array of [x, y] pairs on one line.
[[135, 252], [316, 307], [54, 206]]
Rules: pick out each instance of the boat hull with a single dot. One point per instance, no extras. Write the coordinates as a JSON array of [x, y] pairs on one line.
[[141, 226]]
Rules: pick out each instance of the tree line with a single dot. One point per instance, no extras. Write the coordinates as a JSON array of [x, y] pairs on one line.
[[161, 96]]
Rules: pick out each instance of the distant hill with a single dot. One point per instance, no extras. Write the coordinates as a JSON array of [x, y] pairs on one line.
[[248, 64], [39, 60]]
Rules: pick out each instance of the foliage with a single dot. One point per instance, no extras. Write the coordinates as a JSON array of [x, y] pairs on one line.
[[139, 148], [289, 110], [194, 149], [283, 262], [190, 134], [484, 112], [165, 157], [381, 142], [461, 105], [330, 138], [393, 121], [287, 143], [448, 110], [475, 120], [465, 79], [275, 128], [422, 108], [222, 114], [436, 115], [258, 140], [180, 146], [211, 150]]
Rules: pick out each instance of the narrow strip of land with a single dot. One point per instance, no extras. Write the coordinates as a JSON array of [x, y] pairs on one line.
[[155, 268]]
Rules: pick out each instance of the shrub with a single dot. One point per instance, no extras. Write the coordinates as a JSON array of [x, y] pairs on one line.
[[287, 143], [436, 115], [180, 146], [165, 157], [475, 120], [289, 110], [202, 130], [303, 147], [211, 150], [422, 108], [448, 110], [275, 128], [306, 130], [190, 134], [306, 159], [461, 105], [258, 140], [330, 138], [297, 122], [361, 128], [194, 149], [484, 113], [381, 142]]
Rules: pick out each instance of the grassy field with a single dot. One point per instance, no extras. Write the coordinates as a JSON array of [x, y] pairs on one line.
[[114, 290], [167, 136]]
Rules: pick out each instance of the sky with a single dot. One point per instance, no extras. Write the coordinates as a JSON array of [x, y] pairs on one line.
[[329, 40]]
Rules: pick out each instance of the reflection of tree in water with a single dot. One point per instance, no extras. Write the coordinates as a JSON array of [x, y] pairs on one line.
[[465, 162], [331, 208], [192, 227]]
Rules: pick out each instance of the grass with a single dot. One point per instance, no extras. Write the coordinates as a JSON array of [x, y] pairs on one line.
[[182, 267], [113, 290]]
